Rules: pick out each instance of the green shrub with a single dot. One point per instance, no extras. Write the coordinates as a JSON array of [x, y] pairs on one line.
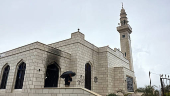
[[128, 94], [112, 94]]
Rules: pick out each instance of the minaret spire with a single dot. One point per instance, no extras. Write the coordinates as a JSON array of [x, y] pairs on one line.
[[122, 5], [125, 30], [123, 18]]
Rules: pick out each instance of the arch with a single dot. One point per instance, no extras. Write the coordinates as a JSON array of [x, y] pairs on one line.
[[88, 76], [20, 74], [52, 75], [5, 74], [89, 62], [53, 62]]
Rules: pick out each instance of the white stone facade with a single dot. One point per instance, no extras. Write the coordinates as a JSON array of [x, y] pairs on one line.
[[111, 67]]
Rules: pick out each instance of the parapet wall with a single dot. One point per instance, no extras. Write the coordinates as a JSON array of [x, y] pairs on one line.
[[116, 52], [35, 45], [76, 37]]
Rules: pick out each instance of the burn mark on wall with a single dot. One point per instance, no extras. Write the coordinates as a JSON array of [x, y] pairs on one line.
[[54, 55]]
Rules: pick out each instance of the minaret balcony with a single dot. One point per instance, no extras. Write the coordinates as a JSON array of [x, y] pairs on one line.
[[124, 28]]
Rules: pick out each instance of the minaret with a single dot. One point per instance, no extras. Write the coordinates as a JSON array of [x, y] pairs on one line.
[[125, 30]]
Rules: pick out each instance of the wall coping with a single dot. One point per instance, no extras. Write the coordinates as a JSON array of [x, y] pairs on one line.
[[119, 54], [125, 68], [92, 46], [34, 45], [89, 91]]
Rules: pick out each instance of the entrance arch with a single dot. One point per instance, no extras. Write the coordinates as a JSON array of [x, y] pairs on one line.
[[52, 74], [88, 76]]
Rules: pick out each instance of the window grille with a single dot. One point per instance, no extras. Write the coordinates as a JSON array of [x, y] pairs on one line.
[[129, 84]]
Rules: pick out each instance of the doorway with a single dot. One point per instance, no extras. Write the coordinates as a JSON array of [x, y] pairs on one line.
[[52, 74], [88, 76]]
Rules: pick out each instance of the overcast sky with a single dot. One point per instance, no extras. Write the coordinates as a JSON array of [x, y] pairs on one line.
[[48, 21]]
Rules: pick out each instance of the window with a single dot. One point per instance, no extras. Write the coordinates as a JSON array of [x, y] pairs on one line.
[[129, 84], [20, 76], [123, 36], [5, 77]]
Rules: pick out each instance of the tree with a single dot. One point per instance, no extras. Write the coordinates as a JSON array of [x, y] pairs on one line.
[[166, 90], [148, 91]]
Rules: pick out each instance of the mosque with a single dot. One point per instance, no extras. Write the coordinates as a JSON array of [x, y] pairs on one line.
[[35, 69]]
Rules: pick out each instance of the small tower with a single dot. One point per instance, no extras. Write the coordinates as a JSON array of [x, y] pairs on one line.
[[125, 30]]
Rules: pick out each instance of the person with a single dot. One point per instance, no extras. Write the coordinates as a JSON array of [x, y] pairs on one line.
[[68, 79]]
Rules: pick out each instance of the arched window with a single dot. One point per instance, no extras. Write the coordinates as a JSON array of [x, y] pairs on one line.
[[88, 76], [20, 76], [5, 77]]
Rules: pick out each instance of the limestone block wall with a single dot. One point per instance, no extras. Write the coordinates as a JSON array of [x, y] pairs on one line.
[[87, 55], [119, 80], [46, 55], [111, 80], [43, 60], [70, 46], [35, 55], [82, 52], [116, 58], [103, 73], [13, 58]]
